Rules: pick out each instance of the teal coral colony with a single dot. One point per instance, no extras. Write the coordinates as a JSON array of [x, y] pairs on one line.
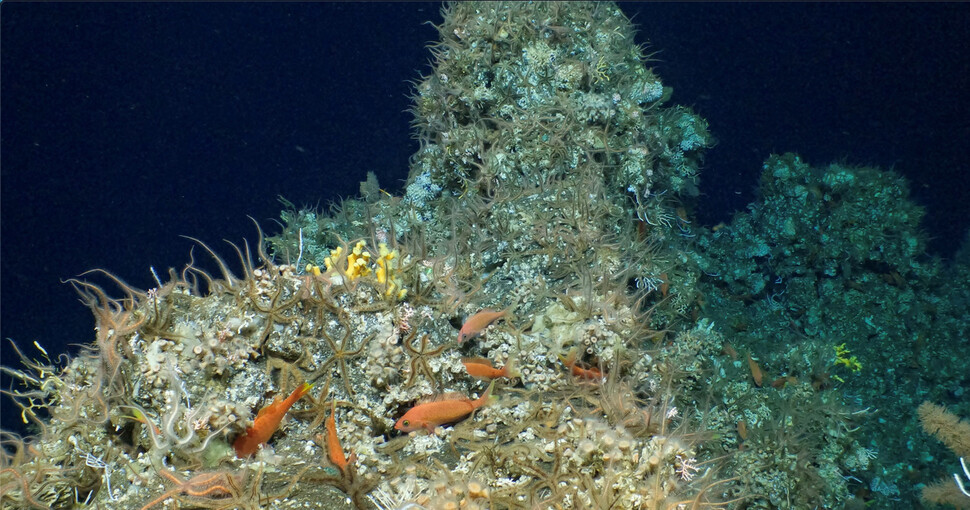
[[661, 365]]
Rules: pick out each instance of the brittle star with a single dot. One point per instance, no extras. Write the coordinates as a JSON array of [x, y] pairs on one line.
[[419, 358]]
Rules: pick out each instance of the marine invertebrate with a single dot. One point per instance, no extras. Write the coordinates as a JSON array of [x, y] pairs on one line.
[[341, 353], [201, 489], [29, 480], [419, 357], [40, 380], [955, 434], [274, 311], [115, 321]]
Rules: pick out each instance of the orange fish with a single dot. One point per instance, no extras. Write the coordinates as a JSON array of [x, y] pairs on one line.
[[592, 374], [756, 372], [784, 380], [665, 285], [267, 421], [445, 409], [476, 323], [334, 451], [481, 368]]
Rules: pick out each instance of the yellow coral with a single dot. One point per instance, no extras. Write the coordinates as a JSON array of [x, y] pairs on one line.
[[599, 71], [842, 358], [383, 262], [357, 262], [385, 272], [331, 261]]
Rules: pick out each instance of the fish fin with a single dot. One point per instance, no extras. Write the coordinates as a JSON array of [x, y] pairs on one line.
[[511, 370], [268, 407], [441, 397], [479, 360]]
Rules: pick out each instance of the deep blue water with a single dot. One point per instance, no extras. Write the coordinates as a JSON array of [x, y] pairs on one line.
[[124, 126]]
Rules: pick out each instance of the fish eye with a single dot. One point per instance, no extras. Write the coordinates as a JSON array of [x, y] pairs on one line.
[[406, 423]]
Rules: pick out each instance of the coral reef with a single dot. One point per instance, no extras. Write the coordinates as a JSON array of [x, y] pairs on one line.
[[552, 183], [825, 281]]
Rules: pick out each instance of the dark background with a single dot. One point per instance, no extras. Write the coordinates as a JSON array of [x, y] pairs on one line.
[[123, 126]]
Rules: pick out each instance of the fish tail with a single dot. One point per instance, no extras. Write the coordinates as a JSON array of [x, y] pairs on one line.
[[297, 394], [509, 317], [303, 389], [487, 397], [511, 370], [570, 358], [139, 415], [507, 311]]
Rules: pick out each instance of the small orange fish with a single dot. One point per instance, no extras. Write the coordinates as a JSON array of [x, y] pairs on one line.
[[445, 409], [742, 429], [665, 285], [267, 421], [756, 372], [782, 381], [481, 368], [476, 323], [334, 451], [592, 374]]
